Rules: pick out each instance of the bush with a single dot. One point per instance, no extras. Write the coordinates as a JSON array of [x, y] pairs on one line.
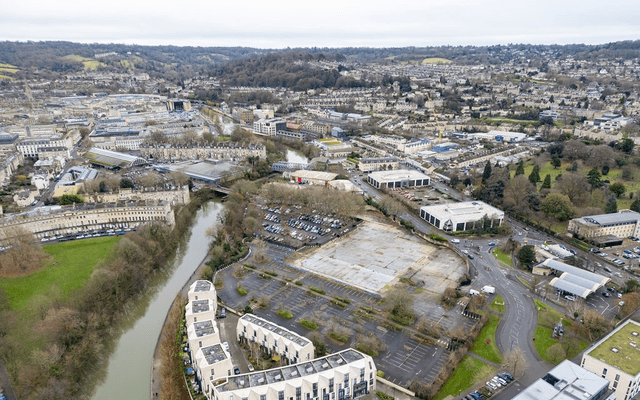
[[284, 314], [436, 237], [342, 299], [315, 289], [248, 310], [338, 304], [383, 396], [338, 338], [250, 266], [241, 290], [264, 276], [270, 273], [308, 324], [299, 283]]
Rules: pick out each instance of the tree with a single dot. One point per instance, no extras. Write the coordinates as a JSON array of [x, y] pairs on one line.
[[593, 177], [546, 184], [67, 199], [612, 206], [558, 206], [556, 162], [102, 187], [573, 186], [556, 353], [126, 183], [487, 172], [617, 188], [635, 205], [605, 170], [534, 176], [595, 324], [527, 256], [515, 362], [626, 145], [520, 169]]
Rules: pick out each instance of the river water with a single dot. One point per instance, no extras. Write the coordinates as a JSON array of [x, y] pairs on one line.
[[294, 157], [129, 372]]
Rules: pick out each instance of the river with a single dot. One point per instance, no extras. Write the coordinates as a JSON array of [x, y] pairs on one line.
[[294, 157], [128, 372]]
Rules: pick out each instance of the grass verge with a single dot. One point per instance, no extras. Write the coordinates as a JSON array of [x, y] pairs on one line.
[[485, 344], [503, 257], [498, 305], [467, 373]]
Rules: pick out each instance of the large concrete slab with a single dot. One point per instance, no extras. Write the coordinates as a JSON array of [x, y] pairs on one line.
[[378, 253]]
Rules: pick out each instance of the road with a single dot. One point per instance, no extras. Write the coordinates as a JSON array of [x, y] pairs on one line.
[[518, 324]]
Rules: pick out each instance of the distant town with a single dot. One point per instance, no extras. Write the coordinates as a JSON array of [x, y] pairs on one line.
[[434, 223]]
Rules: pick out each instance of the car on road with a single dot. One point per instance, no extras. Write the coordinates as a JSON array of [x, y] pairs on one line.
[[455, 240], [223, 313], [225, 345], [236, 371], [491, 244]]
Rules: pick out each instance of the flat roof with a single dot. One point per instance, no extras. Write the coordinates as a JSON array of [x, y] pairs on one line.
[[621, 348], [470, 209], [204, 328], [202, 286], [325, 176], [397, 174], [213, 354], [567, 381], [110, 158]]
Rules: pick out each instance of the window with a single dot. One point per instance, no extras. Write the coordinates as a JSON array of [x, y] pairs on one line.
[[200, 344], [298, 393], [281, 395], [315, 390], [604, 372], [331, 385], [263, 397]]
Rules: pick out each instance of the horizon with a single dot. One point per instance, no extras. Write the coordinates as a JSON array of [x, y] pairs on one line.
[[332, 24]]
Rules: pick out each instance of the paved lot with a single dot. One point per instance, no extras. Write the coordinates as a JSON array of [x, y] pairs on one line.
[[378, 254]]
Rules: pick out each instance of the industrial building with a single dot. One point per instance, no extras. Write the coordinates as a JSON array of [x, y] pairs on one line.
[[399, 178], [312, 177], [574, 280], [455, 217], [568, 381], [606, 229], [616, 358]]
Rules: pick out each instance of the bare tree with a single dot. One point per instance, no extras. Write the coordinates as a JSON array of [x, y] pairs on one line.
[[556, 353], [515, 362]]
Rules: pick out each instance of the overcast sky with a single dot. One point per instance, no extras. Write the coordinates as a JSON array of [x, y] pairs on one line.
[[322, 23]]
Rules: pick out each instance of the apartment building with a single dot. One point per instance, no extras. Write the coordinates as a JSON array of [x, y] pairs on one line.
[[378, 163], [274, 339], [345, 375], [617, 359], [398, 178], [170, 153]]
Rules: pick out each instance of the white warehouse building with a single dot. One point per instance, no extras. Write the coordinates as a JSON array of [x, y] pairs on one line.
[[345, 375], [454, 217], [274, 339], [398, 178]]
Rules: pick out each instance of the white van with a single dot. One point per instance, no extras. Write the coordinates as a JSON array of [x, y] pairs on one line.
[[473, 292]]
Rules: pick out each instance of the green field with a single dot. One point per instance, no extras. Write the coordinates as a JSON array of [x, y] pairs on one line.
[[505, 258], [543, 341], [498, 305], [69, 267], [436, 60], [549, 316], [466, 374], [488, 333], [89, 63]]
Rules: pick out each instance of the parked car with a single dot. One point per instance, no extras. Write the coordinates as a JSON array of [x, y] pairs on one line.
[[236, 371], [250, 366], [223, 313], [570, 298]]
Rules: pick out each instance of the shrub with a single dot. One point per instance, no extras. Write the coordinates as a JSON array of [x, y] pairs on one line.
[[315, 289], [264, 276], [342, 299], [270, 273], [250, 266], [338, 304], [284, 314], [437, 238], [241, 290], [299, 283], [339, 338], [308, 324]]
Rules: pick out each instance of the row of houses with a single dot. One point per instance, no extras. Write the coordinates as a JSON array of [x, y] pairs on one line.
[[345, 375]]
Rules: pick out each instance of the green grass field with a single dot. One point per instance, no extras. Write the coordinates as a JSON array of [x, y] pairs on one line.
[[6, 77], [498, 305], [467, 373], [543, 341], [89, 63], [436, 60], [505, 258], [489, 351], [69, 267]]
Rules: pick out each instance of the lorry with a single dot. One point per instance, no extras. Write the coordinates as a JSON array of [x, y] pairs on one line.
[[489, 289]]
